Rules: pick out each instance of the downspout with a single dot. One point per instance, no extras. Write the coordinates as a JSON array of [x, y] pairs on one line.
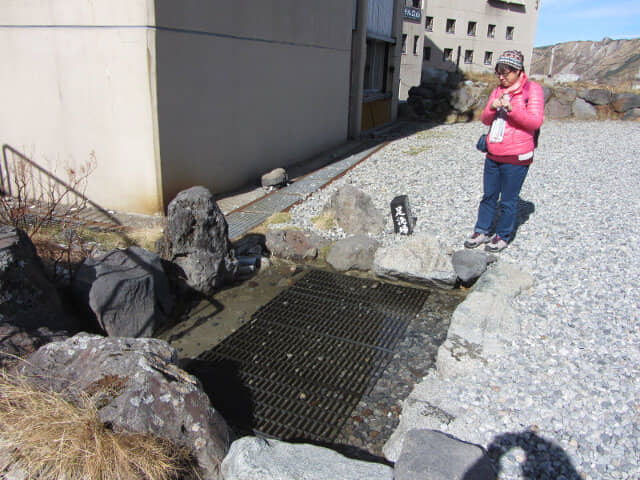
[[396, 57], [152, 74], [358, 61]]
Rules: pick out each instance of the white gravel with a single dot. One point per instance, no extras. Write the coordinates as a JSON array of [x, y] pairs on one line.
[[573, 373]]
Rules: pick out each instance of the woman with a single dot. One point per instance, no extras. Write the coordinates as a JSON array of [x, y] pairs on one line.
[[515, 111]]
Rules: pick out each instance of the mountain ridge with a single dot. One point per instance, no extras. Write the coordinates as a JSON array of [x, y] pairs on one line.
[[609, 62]]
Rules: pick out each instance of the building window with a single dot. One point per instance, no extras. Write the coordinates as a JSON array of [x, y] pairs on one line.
[[451, 25], [468, 56], [412, 3], [426, 54], [428, 24], [375, 78], [471, 29], [404, 43], [416, 40], [447, 55], [509, 35], [488, 58], [491, 31]]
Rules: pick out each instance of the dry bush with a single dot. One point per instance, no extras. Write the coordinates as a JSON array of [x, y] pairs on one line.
[[33, 198], [50, 437]]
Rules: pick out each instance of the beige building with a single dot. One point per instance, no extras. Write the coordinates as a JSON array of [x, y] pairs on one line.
[[468, 35], [170, 94]]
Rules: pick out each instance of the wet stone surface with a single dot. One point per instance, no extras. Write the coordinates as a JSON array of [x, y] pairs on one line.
[[377, 414]]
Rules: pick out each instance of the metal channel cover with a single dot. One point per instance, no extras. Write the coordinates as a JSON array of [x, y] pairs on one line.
[[240, 222], [276, 202], [297, 370]]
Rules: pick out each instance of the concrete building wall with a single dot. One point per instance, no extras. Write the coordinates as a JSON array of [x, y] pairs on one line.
[[79, 82], [412, 50], [247, 86]]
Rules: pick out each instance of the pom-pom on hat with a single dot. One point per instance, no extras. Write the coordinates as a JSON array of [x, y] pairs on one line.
[[513, 59]]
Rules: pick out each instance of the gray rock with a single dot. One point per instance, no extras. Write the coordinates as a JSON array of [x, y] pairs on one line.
[[555, 109], [137, 387], [275, 178], [548, 93], [19, 342], [27, 297], [127, 291], [354, 212], [197, 240], [470, 264], [463, 99], [296, 245], [252, 458], [582, 110], [418, 258], [597, 96], [565, 95], [31, 311], [633, 114], [428, 454], [483, 322], [623, 102], [353, 253]]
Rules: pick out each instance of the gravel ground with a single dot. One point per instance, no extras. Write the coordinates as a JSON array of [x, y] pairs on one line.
[[572, 375]]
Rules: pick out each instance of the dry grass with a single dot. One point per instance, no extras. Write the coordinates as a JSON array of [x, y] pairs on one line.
[[325, 221], [50, 437]]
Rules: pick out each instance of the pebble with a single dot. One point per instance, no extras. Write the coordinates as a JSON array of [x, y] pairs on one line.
[[574, 369]]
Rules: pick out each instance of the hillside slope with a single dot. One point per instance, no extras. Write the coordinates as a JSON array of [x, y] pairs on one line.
[[609, 61]]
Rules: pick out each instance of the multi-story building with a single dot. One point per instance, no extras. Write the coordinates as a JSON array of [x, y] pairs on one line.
[[164, 95], [464, 35]]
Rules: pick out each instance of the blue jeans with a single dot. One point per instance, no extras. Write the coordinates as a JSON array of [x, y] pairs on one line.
[[502, 180]]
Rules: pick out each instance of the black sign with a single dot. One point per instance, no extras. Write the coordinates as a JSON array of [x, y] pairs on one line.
[[413, 14], [403, 221]]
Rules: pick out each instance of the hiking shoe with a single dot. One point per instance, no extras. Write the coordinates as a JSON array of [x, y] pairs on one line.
[[496, 245], [475, 240]]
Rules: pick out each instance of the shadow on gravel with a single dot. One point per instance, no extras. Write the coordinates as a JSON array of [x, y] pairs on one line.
[[543, 459], [525, 210]]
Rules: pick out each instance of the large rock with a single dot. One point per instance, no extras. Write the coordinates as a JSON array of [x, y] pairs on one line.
[[558, 110], [623, 102], [633, 114], [464, 99], [296, 245], [252, 458], [274, 178], [597, 96], [31, 311], [419, 258], [127, 291], [482, 324], [353, 253], [137, 387], [565, 95], [470, 264], [354, 212], [197, 240], [428, 454], [26, 295], [583, 110]]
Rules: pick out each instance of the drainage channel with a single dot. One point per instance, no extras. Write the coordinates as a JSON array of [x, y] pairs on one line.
[[299, 367]]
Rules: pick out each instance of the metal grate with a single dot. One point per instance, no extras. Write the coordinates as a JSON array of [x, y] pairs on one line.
[[297, 370]]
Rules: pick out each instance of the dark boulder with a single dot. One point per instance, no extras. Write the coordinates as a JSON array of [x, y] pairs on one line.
[[127, 291], [197, 240]]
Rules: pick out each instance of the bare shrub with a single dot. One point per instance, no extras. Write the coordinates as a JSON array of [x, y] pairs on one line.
[[34, 197], [49, 436]]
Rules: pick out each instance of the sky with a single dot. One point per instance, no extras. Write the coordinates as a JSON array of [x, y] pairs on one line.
[[571, 20]]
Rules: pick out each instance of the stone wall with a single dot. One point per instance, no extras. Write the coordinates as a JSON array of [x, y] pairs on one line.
[[443, 99]]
